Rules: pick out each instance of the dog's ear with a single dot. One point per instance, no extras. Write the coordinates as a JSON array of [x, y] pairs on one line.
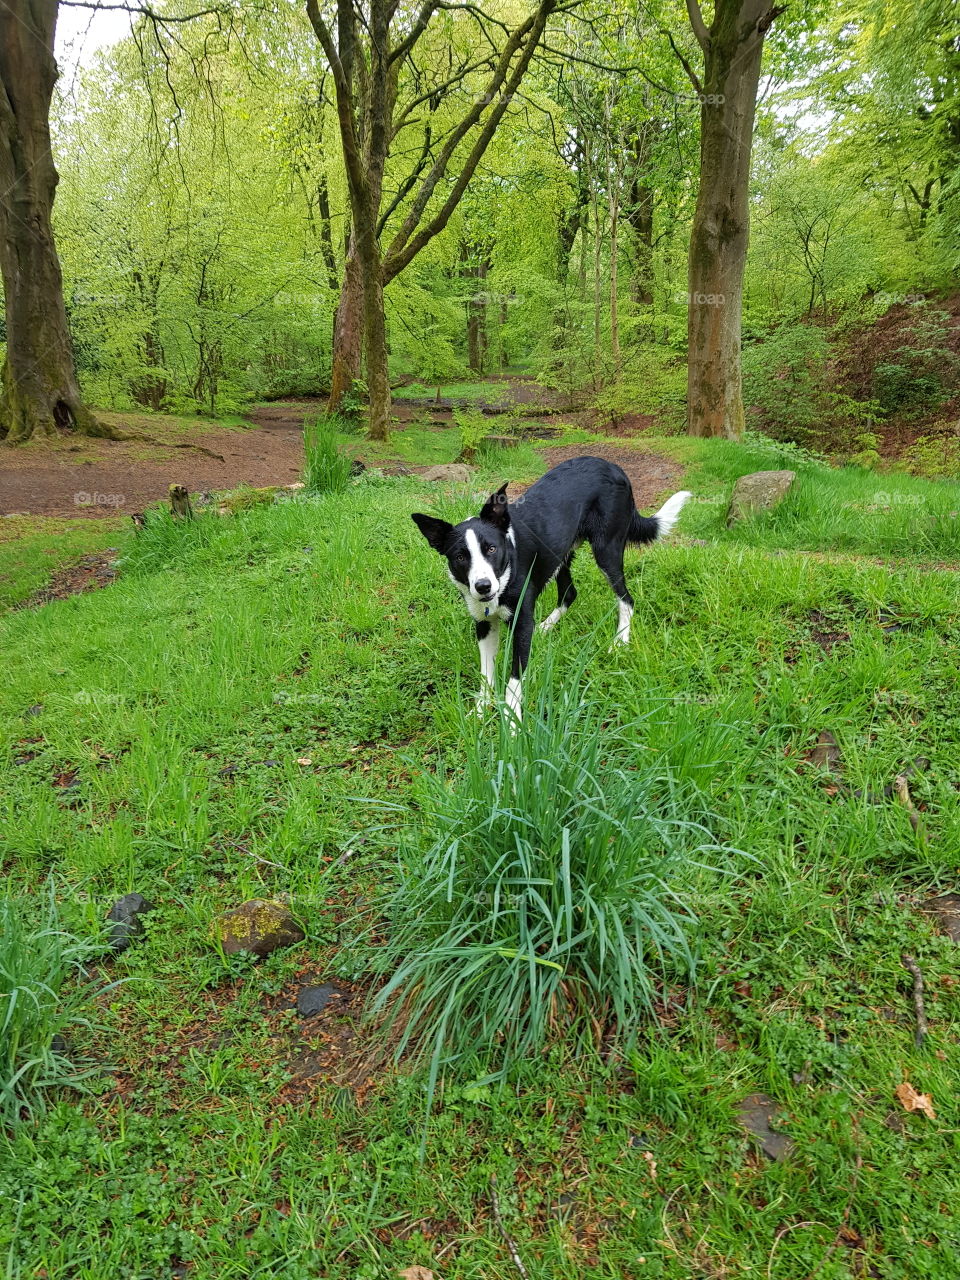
[[435, 531], [495, 509]]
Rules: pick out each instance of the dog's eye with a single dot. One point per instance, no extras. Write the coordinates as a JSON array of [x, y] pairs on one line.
[[460, 557], [487, 549]]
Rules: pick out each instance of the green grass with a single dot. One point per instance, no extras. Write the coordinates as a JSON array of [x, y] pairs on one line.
[[32, 548], [226, 721]]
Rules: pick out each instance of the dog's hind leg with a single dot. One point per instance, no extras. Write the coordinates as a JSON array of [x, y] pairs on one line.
[[522, 636], [609, 557], [566, 594]]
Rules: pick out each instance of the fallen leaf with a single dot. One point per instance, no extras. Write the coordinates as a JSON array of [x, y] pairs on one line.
[[304, 760], [416, 1273], [910, 1100]]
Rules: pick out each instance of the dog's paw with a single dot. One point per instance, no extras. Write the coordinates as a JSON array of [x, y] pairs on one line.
[[482, 707]]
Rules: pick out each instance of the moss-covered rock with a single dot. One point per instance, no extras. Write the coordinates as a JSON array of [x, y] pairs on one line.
[[259, 926]]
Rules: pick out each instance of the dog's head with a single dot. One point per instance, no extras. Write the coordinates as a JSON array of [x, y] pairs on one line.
[[477, 551]]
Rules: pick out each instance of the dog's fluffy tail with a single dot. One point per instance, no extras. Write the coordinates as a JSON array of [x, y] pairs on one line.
[[649, 528]]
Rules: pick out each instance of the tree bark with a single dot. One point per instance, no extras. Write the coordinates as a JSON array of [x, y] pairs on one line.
[[639, 213], [39, 393], [732, 49], [347, 331]]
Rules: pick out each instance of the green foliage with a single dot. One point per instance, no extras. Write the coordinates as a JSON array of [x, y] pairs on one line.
[[43, 993], [934, 455], [654, 383], [473, 425], [326, 468], [790, 392], [541, 891]]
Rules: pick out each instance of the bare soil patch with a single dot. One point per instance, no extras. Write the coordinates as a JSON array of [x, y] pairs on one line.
[[77, 476]]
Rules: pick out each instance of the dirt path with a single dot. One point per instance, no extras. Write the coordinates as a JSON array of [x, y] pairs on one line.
[[92, 478], [75, 476], [650, 473]]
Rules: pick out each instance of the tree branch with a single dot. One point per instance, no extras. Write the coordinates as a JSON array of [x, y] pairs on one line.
[[699, 26], [525, 39]]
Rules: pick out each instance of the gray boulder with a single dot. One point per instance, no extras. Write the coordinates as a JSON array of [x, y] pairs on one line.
[[451, 472], [125, 923], [758, 491]]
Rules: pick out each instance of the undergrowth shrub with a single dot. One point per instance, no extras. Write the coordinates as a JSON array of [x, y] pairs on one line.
[[473, 426], [541, 891], [922, 373], [934, 455], [790, 393], [325, 468], [43, 991]]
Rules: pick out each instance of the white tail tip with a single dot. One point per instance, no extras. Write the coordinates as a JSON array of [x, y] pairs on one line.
[[669, 513]]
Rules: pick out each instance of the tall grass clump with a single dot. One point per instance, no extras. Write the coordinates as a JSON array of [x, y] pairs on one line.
[[38, 1002], [326, 469], [542, 891]]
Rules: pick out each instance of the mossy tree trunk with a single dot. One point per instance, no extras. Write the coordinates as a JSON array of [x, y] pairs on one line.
[[39, 393], [732, 48], [347, 331]]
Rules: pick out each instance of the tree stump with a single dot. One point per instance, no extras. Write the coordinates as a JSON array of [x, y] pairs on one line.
[[180, 505]]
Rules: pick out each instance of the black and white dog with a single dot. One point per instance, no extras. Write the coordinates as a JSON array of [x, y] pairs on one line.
[[502, 559]]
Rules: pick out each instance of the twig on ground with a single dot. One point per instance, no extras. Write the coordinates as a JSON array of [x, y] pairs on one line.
[[913, 969], [511, 1246]]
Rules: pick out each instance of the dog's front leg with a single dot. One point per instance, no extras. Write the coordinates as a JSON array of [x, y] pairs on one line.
[[488, 639], [522, 636]]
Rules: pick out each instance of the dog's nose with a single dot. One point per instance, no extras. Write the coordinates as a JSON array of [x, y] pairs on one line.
[[482, 586]]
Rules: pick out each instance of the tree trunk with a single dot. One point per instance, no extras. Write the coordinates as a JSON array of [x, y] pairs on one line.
[[347, 331], [639, 214], [378, 379], [732, 47], [39, 393]]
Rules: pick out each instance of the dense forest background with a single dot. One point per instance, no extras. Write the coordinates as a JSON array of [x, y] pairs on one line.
[[203, 219]]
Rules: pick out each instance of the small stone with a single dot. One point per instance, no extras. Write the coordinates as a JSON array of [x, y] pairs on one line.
[[452, 472], [125, 923], [58, 1044], [259, 926], [311, 1000], [758, 491], [946, 913], [35, 710], [756, 1114]]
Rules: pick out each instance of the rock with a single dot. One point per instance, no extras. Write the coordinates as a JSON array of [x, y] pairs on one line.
[[758, 491], [125, 923], [259, 926], [756, 1113], [946, 913], [59, 1045], [453, 472], [311, 1000], [825, 753], [35, 710]]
